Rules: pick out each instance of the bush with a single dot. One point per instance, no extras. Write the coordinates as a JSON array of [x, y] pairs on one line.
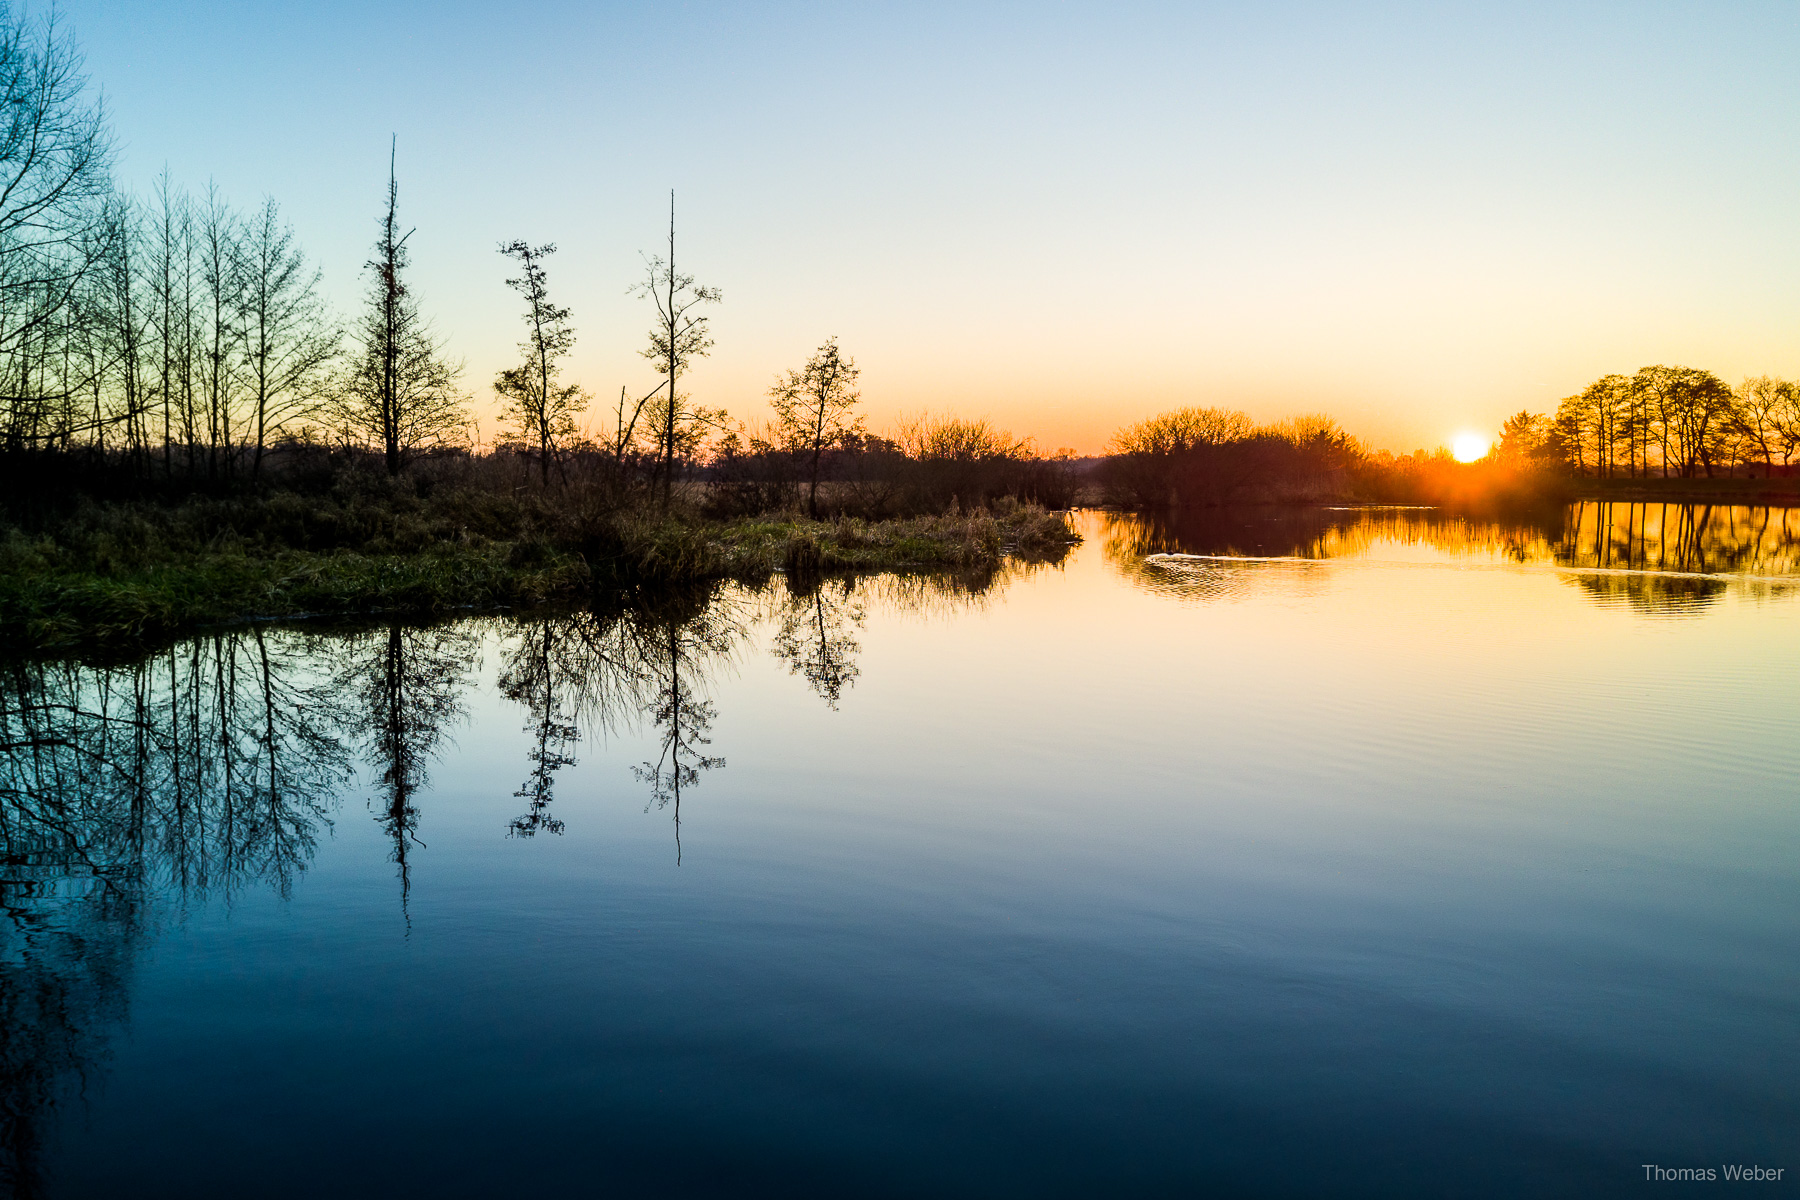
[[1209, 456]]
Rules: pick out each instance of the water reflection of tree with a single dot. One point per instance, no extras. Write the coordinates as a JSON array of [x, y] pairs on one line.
[[405, 684], [602, 668], [593, 671], [1651, 556], [194, 770], [213, 764], [1654, 557], [817, 636], [532, 678], [683, 638]]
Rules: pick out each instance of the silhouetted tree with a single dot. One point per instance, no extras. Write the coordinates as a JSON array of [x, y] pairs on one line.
[[1527, 440], [677, 338], [221, 281], [1689, 408], [813, 410], [55, 153], [539, 407], [1767, 415], [1592, 424], [402, 393], [1171, 456], [290, 343], [169, 264]]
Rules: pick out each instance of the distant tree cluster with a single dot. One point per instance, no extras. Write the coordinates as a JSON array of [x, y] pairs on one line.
[[1666, 421], [1215, 455], [817, 457]]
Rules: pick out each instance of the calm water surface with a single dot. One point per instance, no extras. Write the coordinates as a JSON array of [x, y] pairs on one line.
[[1263, 853]]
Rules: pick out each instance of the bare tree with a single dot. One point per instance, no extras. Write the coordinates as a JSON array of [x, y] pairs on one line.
[[813, 410], [124, 332], [55, 154], [623, 443], [678, 336], [289, 340], [218, 231], [540, 407], [1761, 416], [169, 264], [402, 393]]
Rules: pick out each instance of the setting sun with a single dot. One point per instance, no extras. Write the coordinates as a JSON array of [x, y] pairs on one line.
[[1467, 447]]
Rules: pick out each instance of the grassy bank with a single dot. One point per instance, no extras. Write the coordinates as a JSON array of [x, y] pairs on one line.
[[102, 574]]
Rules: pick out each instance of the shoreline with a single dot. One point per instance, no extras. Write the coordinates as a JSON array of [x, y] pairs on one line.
[[49, 605], [1772, 493]]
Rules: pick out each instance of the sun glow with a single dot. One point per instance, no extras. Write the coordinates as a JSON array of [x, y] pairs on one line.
[[1467, 447]]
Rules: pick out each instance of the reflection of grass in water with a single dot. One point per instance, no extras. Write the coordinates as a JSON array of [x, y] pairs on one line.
[[923, 593]]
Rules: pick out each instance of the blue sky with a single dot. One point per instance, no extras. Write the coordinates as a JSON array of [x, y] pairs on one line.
[[1066, 217]]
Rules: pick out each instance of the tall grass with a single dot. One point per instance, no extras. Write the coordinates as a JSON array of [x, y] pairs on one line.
[[94, 571]]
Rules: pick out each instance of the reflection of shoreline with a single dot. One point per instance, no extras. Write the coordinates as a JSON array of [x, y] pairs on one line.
[[215, 764], [1655, 557], [1547, 568]]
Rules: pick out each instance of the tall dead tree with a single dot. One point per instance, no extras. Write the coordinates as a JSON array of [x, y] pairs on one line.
[[678, 336]]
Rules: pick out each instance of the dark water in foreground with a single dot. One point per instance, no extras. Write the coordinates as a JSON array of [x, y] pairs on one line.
[[1268, 854]]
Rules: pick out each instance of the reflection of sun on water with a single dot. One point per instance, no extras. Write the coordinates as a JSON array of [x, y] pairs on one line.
[[1467, 447]]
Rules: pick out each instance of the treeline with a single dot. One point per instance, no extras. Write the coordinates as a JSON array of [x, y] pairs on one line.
[[1203, 457], [1671, 422], [176, 343], [186, 337], [1660, 423], [177, 336]]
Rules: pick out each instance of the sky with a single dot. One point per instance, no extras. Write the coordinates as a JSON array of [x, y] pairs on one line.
[[1065, 218]]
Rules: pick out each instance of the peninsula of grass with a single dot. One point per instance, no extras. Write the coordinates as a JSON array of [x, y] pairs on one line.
[[111, 574]]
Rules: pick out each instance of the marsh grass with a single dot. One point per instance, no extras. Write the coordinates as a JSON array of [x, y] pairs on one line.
[[104, 573]]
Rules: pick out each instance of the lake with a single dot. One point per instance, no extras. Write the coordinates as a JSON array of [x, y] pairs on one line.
[[1256, 853]]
